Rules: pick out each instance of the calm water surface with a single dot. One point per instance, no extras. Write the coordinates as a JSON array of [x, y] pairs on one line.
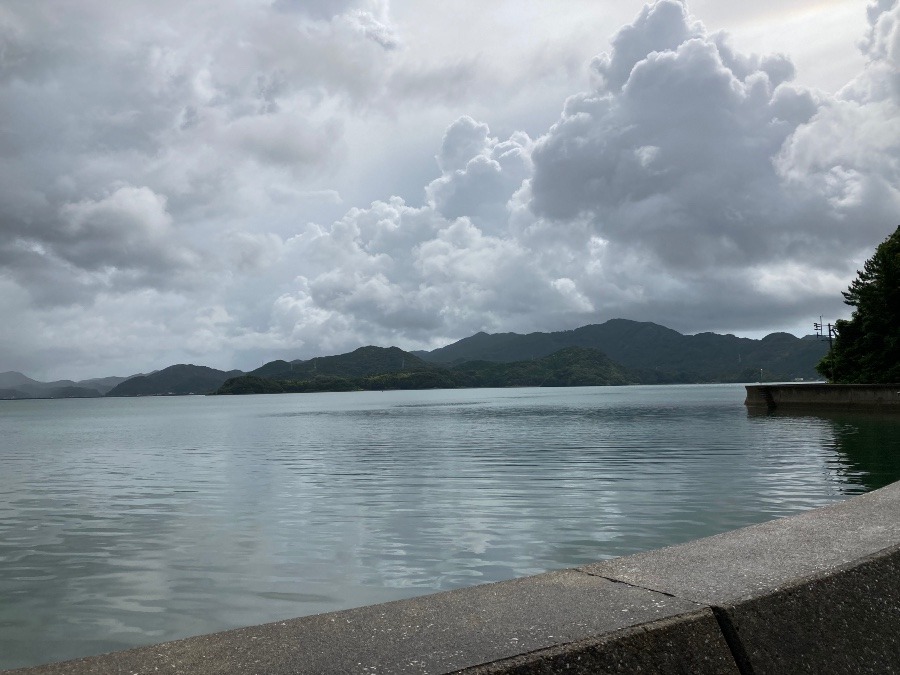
[[132, 521]]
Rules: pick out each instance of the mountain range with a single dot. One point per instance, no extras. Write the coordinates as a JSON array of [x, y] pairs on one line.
[[649, 346], [570, 366], [14, 385], [618, 351]]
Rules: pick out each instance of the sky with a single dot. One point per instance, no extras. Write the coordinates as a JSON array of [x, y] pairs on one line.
[[226, 183]]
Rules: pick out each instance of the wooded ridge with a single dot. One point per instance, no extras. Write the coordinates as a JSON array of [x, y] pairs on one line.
[[618, 351]]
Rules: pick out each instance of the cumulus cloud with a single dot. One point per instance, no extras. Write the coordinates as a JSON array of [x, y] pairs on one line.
[[689, 183], [677, 161], [480, 173], [692, 184]]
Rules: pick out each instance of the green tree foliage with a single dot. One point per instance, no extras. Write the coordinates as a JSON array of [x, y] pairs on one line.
[[660, 354], [867, 347], [178, 380], [573, 366], [360, 363]]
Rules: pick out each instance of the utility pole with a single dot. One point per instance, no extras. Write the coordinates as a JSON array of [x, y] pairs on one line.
[[832, 332]]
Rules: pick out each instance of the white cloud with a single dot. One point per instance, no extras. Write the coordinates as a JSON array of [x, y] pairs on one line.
[[688, 175]]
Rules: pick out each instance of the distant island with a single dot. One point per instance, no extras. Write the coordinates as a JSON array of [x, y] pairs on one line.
[[616, 352]]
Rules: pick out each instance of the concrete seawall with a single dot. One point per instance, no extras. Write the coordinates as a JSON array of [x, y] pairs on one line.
[[871, 397], [814, 593]]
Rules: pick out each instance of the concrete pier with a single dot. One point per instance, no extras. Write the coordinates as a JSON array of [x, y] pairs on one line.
[[822, 396], [814, 593]]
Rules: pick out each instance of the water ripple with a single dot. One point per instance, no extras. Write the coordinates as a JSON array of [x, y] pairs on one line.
[[126, 522]]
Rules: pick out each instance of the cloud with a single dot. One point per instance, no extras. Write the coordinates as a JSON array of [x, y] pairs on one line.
[[322, 10], [845, 162], [125, 137], [693, 185], [706, 161], [480, 173], [660, 27], [678, 163], [199, 179], [128, 228]]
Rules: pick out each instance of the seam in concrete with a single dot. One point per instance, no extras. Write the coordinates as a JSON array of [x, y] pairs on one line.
[[738, 653], [729, 634], [643, 588], [527, 662]]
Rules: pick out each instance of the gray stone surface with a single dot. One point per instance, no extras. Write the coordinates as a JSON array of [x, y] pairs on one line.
[[759, 559], [689, 645], [846, 621], [813, 396], [816, 593], [432, 634]]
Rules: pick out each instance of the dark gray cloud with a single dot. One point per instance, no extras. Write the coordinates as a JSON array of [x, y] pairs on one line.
[[125, 135]]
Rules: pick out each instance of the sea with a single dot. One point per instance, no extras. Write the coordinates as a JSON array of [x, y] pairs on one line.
[[130, 521]]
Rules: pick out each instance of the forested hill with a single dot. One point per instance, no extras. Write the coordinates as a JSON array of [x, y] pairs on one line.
[[632, 351], [174, 380], [646, 346], [359, 363], [573, 366]]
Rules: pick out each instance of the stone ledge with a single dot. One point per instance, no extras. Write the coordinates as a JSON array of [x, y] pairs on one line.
[[762, 558], [814, 593], [686, 645], [822, 396], [844, 621], [437, 633]]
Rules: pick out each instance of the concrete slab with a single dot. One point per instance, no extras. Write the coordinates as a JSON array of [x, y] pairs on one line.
[[812, 396], [685, 645], [759, 559], [815, 593], [841, 622], [431, 634]]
